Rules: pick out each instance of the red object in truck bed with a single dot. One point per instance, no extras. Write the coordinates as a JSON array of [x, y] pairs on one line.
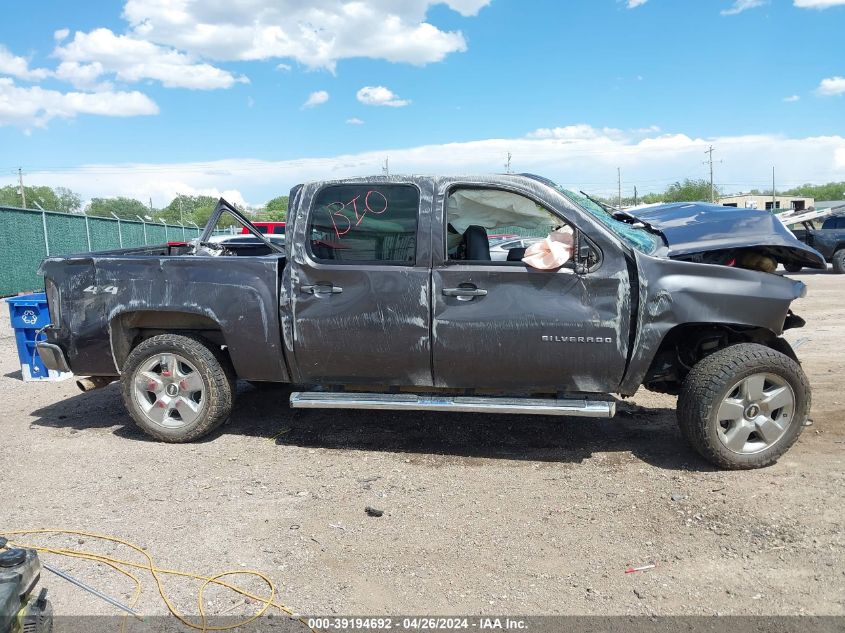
[[273, 228]]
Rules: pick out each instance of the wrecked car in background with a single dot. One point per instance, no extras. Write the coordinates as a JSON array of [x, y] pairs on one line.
[[385, 296]]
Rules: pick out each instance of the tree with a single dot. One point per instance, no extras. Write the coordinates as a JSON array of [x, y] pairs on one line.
[[830, 191], [276, 210], [690, 190], [10, 196], [124, 208], [187, 209], [69, 201], [58, 199]]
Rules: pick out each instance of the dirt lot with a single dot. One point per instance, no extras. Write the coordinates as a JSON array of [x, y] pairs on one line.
[[504, 515]]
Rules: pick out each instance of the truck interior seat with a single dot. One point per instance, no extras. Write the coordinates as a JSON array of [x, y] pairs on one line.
[[476, 243], [516, 254]]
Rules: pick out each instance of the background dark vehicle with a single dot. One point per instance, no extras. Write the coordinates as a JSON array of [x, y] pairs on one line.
[[384, 296], [829, 240]]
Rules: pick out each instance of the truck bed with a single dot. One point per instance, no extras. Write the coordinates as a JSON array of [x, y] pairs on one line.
[[233, 299]]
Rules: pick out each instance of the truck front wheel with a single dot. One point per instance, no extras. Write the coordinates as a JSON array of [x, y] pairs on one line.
[[177, 387], [839, 261], [744, 406]]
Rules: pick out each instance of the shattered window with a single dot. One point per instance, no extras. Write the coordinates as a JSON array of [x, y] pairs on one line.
[[633, 236], [365, 223]]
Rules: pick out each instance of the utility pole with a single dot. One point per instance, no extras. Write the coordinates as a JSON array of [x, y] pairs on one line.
[[635, 195], [23, 191], [619, 184], [508, 164], [774, 198], [712, 186], [386, 167], [179, 195]]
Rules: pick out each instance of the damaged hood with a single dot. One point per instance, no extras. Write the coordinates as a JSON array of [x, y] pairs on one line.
[[694, 227]]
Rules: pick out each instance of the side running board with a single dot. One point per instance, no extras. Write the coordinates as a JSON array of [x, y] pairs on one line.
[[576, 407]]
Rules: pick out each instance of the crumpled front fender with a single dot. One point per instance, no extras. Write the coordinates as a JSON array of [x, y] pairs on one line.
[[673, 293]]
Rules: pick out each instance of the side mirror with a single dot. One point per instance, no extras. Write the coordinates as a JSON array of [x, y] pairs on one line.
[[587, 256]]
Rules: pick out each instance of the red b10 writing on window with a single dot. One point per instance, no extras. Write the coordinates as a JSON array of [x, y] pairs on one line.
[[374, 202]]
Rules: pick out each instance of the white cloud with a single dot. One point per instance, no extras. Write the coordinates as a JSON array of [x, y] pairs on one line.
[[742, 5], [89, 55], [19, 67], [466, 7], [791, 99], [316, 98], [85, 76], [380, 96], [354, 121], [316, 34], [633, 4], [578, 132], [818, 4], [285, 68], [34, 106], [589, 162], [832, 87], [61, 34]]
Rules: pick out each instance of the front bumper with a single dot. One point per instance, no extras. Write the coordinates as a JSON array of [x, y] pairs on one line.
[[52, 356]]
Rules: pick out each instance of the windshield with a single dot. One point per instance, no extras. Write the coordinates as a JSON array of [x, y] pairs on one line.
[[635, 237]]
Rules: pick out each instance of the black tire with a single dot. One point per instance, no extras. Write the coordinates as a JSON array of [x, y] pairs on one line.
[[793, 268], [710, 382], [839, 262], [212, 367]]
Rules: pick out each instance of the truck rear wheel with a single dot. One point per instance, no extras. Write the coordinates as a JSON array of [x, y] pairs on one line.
[[839, 261], [744, 406], [177, 387], [793, 268]]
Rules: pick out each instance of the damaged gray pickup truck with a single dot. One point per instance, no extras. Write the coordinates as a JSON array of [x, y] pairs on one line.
[[384, 296]]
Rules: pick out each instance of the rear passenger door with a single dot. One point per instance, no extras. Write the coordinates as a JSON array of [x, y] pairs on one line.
[[359, 283]]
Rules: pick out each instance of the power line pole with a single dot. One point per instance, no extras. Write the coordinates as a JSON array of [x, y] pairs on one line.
[[774, 198], [635, 195], [386, 167], [508, 164], [712, 186], [23, 191], [619, 184]]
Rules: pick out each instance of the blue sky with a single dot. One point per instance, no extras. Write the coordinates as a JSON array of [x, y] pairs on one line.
[[141, 88]]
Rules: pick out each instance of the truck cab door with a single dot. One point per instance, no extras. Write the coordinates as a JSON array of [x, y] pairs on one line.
[[357, 283], [504, 325]]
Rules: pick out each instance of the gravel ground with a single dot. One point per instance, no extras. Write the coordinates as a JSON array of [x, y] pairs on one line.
[[499, 515]]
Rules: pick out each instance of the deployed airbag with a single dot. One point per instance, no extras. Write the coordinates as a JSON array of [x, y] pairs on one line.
[[491, 209], [552, 252]]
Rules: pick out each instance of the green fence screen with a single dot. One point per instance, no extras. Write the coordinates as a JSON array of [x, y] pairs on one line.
[[28, 236]]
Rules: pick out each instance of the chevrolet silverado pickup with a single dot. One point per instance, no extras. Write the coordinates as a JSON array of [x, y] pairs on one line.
[[384, 296]]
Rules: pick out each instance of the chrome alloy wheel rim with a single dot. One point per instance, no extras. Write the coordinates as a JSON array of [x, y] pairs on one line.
[[169, 390], [755, 414]]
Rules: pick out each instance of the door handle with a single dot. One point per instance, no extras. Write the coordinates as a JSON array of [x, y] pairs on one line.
[[321, 289], [464, 292]]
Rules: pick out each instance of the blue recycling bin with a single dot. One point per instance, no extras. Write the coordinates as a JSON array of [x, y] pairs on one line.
[[29, 314]]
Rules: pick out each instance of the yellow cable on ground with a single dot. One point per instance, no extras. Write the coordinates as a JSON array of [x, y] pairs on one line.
[[118, 565]]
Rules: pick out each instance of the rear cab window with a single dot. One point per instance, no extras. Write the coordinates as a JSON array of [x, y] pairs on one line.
[[364, 223]]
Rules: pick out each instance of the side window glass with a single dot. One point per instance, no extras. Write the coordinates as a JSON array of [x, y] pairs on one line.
[[494, 225], [365, 223]]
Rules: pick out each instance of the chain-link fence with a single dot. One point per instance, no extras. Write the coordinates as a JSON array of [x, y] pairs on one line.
[[28, 236]]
